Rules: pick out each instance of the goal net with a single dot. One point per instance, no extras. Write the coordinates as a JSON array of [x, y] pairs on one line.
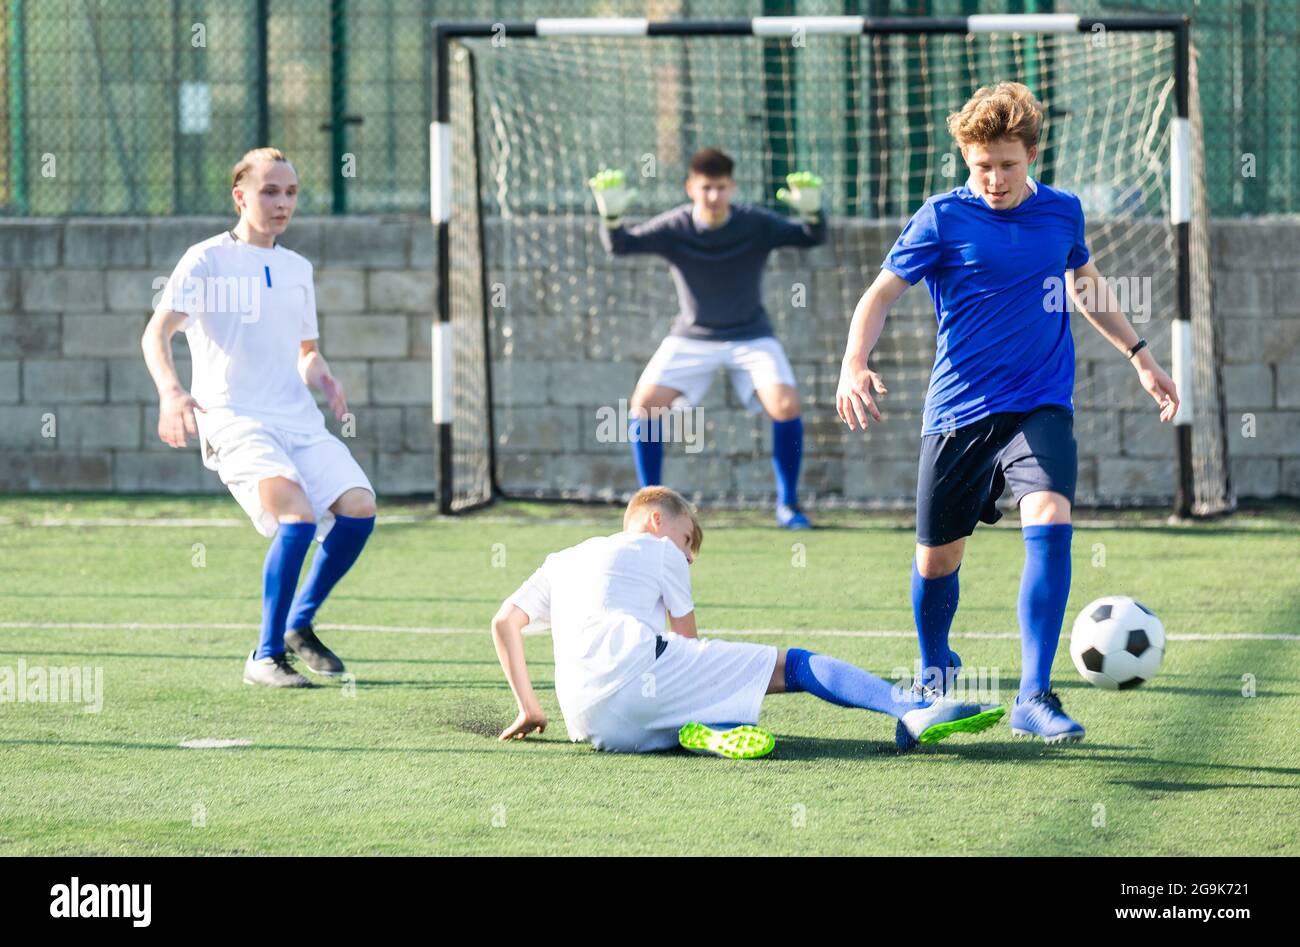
[[546, 334]]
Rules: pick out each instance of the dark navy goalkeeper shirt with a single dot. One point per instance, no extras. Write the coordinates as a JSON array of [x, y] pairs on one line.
[[718, 272]]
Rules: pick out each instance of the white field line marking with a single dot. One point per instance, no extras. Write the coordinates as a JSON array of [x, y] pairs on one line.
[[212, 744], [711, 633], [189, 523], [882, 521]]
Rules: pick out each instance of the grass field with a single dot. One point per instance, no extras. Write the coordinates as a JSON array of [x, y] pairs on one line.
[[405, 759]]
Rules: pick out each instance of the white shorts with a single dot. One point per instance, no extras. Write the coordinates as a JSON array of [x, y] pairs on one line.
[[245, 452], [688, 365], [694, 680]]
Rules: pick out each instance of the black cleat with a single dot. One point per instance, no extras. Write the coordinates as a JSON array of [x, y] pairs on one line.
[[318, 658]]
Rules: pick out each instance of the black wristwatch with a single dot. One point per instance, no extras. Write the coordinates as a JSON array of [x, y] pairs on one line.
[[1141, 344]]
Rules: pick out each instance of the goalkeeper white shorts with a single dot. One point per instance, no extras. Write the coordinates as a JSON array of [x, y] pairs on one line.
[[688, 365], [694, 680], [247, 451]]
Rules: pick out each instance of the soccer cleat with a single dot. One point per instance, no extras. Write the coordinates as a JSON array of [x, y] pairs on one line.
[[1042, 716], [275, 671], [902, 738], [945, 717], [789, 517], [318, 658], [738, 743]]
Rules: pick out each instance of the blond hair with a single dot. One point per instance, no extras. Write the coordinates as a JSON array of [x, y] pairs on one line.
[[250, 158], [670, 503], [997, 112]]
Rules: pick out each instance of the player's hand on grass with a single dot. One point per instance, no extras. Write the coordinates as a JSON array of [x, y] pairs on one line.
[[804, 194], [176, 418], [332, 389], [613, 196], [854, 398], [1160, 387], [528, 721]]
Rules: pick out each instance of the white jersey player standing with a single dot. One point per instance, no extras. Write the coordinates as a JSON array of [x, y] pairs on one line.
[[247, 307]]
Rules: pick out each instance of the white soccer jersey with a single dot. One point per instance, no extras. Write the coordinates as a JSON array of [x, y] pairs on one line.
[[248, 309], [605, 600]]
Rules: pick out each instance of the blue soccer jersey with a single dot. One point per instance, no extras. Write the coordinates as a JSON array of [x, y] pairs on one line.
[[997, 281]]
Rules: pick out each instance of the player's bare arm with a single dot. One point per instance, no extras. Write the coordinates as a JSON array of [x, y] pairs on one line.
[[315, 372], [1109, 319], [175, 406], [508, 636], [855, 397], [684, 626]]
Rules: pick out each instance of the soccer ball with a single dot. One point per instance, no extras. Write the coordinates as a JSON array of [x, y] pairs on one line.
[[1117, 643]]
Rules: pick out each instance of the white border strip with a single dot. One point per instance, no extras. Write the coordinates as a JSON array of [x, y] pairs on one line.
[[593, 26], [439, 172], [792, 634], [789, 25], [442, 371], [1182, 346], [1023, 23], [1180, 172]]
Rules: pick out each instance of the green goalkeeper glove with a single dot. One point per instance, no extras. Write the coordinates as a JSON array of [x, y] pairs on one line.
[[804, 194], [613, 196]]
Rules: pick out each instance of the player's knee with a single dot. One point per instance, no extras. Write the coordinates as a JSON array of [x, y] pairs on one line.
[[1044, 507], [783, 404], [356, 503], [935, 562]]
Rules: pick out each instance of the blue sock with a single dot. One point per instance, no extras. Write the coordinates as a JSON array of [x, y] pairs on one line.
[[647, 450], [1044, 587], [279, 579], [333, 559], [934, 602], [843, 684], [787, 451]]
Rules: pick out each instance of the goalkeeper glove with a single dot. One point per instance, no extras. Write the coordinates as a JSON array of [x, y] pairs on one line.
[[613, 196], [804, 194]]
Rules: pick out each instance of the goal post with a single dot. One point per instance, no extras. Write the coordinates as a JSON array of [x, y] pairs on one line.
[[526, 111]]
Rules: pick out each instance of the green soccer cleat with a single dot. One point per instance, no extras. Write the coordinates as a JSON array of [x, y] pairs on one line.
[[738, 743], [945, 717]]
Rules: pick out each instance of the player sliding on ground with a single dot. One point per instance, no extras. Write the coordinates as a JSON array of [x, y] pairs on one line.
[[626, 684], [999, 409], [716, 251], [248, 310]]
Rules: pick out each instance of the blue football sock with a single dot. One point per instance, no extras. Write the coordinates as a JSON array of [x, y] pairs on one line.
[[787, 452], [934, 602], [279, 579], [333, 559], [647, 450], [1044, 587], [841, 683]]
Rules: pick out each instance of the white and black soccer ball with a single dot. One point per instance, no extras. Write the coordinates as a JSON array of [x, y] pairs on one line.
[[1117, 643]]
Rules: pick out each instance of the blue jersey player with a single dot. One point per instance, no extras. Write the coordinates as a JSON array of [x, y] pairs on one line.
[[716, 251], [999, 410]]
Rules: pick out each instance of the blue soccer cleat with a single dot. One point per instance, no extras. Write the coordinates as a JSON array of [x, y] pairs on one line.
[[903, 738], [789, 517], [1042, 716]]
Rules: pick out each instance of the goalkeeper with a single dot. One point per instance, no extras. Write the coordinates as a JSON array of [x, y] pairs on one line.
[[716, 251]]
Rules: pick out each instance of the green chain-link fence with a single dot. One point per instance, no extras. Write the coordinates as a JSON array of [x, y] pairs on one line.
[[142, 106]]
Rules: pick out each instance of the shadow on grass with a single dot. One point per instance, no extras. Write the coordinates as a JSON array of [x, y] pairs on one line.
[[553, 744], [1160, 785], [239, 658], [1233, 691]]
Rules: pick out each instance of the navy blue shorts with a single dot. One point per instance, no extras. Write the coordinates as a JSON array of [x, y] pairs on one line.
[[962, 474]]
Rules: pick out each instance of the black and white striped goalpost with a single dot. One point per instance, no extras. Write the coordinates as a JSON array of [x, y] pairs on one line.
[[441, 183]]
